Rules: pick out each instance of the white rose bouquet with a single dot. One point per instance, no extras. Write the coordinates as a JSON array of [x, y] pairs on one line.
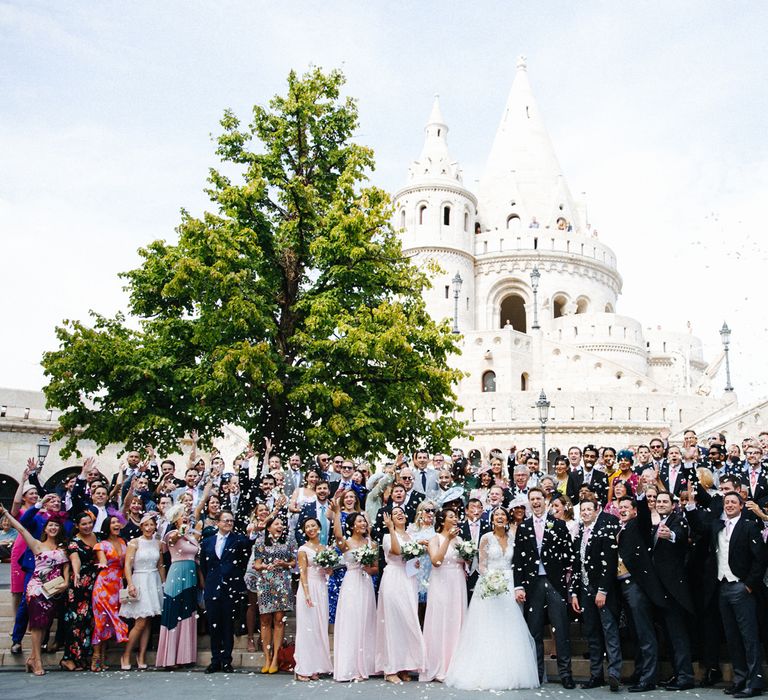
[[466, 549], [365, 555], [327, 558], [493, 584], [411, 550]]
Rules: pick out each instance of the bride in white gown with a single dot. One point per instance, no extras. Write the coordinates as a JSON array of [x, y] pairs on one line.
[[495, 650]]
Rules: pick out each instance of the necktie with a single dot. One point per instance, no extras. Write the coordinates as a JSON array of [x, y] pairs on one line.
[[538, 527], [424, 480], [728, 529], [473, 527], [672, 477], [323, 524], [753, 481]]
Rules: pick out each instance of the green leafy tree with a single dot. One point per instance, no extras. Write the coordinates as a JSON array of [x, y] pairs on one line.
[[291, 312]]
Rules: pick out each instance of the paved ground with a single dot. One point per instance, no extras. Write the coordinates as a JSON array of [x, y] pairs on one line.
[[186, 685]]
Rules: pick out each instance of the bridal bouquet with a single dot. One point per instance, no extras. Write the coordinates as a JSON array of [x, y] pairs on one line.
[[365, 555], [411, 550], [493, 584], [327, 558], [466, 549]]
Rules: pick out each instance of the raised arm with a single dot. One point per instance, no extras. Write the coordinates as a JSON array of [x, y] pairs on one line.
[[341, 542]]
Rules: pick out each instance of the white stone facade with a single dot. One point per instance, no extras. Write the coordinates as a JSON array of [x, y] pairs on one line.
[[609, 380]]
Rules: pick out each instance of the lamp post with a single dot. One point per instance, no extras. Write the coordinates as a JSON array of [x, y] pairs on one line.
[[43, 445], [543, 405], [725, 336], [456, 282], [535, 277]]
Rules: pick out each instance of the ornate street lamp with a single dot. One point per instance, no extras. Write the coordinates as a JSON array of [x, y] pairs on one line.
[[535, 277], [725, 336], [543, 406], [456, 282], [43, 445]]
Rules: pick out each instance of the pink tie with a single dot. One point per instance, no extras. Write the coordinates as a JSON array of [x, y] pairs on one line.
[[538, 528], [753, 480], [728, 529]]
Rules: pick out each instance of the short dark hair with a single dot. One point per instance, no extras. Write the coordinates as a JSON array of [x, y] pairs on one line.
[[168, 461], [536, 489], [735, 494], [631, 499]]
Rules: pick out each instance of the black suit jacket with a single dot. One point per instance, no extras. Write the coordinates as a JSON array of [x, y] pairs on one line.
[[683, 477], [600, 556], [635, 542], [224, 577], [669, 558], [598, 483], [746, 550], [309, 510], [485, 527], [556, 554]]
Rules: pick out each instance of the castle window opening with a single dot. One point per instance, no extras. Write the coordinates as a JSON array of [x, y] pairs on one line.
[[512, 312], [466, 221], [558, 307], [446, 216], [489, 381], [447, 291], [402, 218], [422, 212], [524, 381]]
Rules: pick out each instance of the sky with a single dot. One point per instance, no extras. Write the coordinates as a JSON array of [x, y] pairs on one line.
[[656, 111]]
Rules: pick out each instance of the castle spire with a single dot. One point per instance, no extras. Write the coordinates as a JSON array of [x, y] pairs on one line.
[[435, 162], [522, 162]]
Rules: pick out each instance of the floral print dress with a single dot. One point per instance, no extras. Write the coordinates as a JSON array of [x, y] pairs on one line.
[[78, 616], [106, 595]]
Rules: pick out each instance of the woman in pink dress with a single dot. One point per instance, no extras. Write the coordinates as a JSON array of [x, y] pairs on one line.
[[447, 601], [399, 641], [178, 625], [354, 634], [313, 650]]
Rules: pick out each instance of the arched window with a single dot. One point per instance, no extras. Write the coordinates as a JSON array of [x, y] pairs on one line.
[[446, 216], [582, 305], [402, 218], [558, 306], [512, 312], [422, 213], [489, 381], [524, 381], [8, 486], [466, 221], [513, 222], [609, 308]]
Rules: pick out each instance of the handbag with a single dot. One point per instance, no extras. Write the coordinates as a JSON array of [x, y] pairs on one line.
[[49, 587], [126, 597]]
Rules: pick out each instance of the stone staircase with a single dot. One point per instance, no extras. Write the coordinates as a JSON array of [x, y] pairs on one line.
[[248, 661]]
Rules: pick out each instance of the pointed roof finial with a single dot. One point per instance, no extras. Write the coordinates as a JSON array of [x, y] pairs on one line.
[[522, 63], [436, 116]]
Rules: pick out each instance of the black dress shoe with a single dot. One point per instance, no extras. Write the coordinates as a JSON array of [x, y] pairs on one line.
[[213, 667], [672, 680], [593, 683], [736, 688], [712, 676], [568, 683], [748, 693], [680, 686], [16, 649], [641, 688], [614, 684], [227, 668]]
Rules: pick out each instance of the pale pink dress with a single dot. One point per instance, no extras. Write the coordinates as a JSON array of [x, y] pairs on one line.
[[313, 650], [399, 642], [354, 634], [446, 607]]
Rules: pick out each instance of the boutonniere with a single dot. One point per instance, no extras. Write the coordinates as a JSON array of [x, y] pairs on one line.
[[550, 525]]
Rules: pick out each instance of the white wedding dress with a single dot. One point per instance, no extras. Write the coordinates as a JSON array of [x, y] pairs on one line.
[[496, 650]]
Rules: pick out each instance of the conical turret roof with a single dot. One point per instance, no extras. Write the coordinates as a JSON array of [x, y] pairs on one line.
[[435, 165], [522, 176]]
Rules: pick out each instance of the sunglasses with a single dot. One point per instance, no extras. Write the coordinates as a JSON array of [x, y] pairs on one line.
[[428, 510], [406, 478]]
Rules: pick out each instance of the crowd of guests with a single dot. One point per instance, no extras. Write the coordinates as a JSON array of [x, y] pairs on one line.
[[652, 547]]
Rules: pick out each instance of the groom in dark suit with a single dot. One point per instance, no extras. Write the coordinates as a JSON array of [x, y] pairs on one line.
[[543, 558], [223, 559]]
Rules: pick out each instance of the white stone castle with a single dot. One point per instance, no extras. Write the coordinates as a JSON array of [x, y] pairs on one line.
[[609, 380]]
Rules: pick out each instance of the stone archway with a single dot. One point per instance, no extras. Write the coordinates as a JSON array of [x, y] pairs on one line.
[[512, 312]]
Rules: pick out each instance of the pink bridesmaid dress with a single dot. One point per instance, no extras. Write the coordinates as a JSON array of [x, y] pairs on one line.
[[446, 607], [399, 642], [354, 634], [313, 650]]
